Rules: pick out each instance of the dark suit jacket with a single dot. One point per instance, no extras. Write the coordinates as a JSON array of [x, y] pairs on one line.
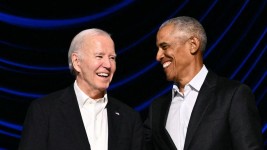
[[224, 117], [54, 122]]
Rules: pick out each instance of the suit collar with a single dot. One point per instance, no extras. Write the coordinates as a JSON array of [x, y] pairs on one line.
[[114, 122], [206, 94], [164, 110], [71, 113], [198, 80], [73, 117], [82, 97]]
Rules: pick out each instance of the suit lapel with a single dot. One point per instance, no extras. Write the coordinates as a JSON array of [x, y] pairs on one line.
[[114, 123], [206, 94], [71, 112], [164, 110]]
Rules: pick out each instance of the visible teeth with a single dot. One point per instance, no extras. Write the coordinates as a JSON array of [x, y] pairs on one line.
[[103, 74], [166, 64]]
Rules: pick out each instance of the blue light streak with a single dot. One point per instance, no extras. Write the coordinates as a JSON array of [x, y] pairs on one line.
[[18, 93], [11, 125], [226, 30], [52, 24], [250, 53], [62, 68], [254, 64], [128, 79], [147, 102]]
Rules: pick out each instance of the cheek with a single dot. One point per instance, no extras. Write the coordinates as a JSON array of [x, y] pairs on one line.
[[113, 66], [94, 65], [181, 55]]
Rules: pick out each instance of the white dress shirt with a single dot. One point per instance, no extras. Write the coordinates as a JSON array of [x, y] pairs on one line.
[[181, 108], [94, 116]]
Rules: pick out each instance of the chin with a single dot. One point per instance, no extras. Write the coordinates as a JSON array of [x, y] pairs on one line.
[[169, 78], [103, 87], [170, 75]]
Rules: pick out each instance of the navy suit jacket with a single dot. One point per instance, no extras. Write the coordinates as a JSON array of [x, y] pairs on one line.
[[225, 117], [54, 122]]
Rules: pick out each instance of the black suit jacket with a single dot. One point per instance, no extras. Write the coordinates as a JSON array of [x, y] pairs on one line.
[[54, 122], [225, 117]]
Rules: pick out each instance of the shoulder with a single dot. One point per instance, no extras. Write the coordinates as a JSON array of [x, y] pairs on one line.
[[162, 100], [226, 85], [54, 97], [227, 89], [117, 104], [51, 103], [223, 84]]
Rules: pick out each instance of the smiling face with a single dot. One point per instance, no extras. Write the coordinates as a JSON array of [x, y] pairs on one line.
[[174, 53], [95, 64]]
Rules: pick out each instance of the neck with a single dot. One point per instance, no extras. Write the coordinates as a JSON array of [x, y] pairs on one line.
[[188, 76], [89, 91]]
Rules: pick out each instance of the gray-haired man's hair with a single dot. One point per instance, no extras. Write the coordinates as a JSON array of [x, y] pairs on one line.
[[78, 41], [190, 26]]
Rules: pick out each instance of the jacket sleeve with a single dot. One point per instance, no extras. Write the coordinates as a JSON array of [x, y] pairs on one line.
[[34, 134], [244, 120], [148, 145], [137, 138]]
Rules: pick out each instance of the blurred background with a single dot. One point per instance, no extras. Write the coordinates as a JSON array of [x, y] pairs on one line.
[[35, 37]]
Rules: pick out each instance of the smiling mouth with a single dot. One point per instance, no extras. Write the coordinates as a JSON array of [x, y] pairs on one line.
[[166, 64], [105, 75]]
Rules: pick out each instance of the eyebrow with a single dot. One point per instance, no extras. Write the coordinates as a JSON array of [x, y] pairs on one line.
[[101, 53], [163, 44]]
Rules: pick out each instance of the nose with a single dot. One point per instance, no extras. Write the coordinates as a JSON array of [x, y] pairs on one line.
[[107, 63], [159, 55]]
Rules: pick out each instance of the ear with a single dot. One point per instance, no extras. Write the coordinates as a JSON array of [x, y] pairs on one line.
[[75, 61], [194, 45]]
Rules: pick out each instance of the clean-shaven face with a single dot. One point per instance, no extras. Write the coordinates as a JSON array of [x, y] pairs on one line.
[[98, 64], [173, 52]]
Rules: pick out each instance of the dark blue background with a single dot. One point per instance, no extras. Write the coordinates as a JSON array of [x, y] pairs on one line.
[[35, 37]]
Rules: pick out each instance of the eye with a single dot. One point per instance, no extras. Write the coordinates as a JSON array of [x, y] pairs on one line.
[[99, 56], [112, 57], [164, 46]]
